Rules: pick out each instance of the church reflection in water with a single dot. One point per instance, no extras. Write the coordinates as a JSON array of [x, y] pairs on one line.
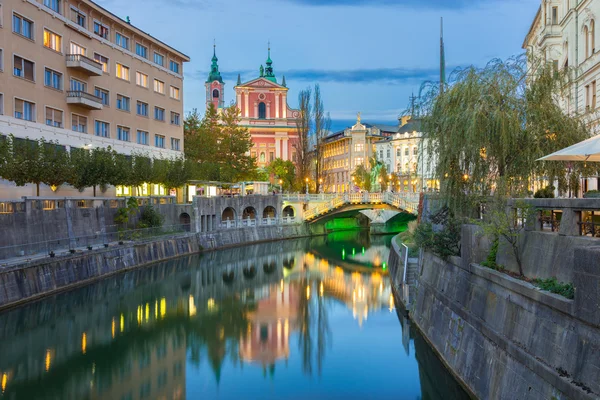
[[133, 336]]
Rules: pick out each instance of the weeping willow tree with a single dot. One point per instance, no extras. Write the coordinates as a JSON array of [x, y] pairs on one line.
[[489, 126]]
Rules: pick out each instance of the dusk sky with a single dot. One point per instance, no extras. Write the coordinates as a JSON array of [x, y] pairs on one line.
[[367, 55]]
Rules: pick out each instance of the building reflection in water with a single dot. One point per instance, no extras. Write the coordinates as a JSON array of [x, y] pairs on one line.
[[131, 336]]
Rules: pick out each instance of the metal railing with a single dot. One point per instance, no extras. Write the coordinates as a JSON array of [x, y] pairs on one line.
[[405, 201], [240, 223], [83, 95], [84, 59]]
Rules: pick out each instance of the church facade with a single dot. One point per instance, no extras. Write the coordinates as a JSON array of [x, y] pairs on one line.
[[264, 110]]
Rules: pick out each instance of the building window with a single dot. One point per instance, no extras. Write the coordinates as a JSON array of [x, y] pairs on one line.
[[159, 59], [122, 72], [388, 153], [381, 154], [359, 147], [159, 141], [554, 15], [23, 26], [123, 103], [173, 66], [175, 118], [262, 110], [142, 109], [79, 123], [398, 152], [174, 92], [593, 88], [159, 86], [142, 137], [159, 114], [415, 151], [102, 129], [593, 37], [53, 79], [54, 117], [1, 59], [78, 17], [358, 161], [175, 144], [24, 68], [52, 41], [74, 48], [123, 133], [102, 60], [54, 5], [271, 156], [24, 110], [141, 50], [122, 41], [262, 157], [101, 30], [78, 86], [406, 151], [215, 94], [1, 104], [103, 94]]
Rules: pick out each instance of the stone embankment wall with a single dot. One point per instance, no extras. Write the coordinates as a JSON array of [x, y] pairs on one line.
[[505, 339], [22, 283]]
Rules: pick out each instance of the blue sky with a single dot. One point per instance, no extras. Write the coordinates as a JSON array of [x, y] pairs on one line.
[[367, 55]]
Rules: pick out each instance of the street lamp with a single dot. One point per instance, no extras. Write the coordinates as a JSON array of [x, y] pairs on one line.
[[380, 187], [306, 180], [320, 185], [281, 185]]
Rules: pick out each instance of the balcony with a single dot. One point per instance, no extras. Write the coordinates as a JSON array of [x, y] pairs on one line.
[[84, 64], [84, 99]]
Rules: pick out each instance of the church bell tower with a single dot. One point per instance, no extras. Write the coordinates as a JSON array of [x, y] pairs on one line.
[[214, 84]]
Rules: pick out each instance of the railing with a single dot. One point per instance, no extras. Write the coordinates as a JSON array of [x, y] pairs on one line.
[[404, 201], [309, 197], [239, 223], [82, 58], [83, 95]]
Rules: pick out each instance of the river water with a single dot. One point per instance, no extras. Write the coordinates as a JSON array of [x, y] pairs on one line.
[[300, 319]]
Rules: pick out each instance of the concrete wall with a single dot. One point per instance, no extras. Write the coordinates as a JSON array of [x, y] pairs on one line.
[[504, 338]]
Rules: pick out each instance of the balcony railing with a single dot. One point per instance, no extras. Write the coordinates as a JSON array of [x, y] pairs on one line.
[[84, 99], [84, 64]]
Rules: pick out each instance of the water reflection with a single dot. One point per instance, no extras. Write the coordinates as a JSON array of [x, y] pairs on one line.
[[257, 322]]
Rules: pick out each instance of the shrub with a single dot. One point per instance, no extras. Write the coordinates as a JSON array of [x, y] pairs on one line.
[[592, 194], [150, 218], [552, 285], [490, 262], [545, 193], [444, 243]]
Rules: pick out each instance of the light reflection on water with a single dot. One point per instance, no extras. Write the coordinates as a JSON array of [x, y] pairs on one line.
[[312, 318]]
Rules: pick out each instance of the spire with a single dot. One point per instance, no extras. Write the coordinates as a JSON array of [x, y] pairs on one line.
[[239, 81], [214, 74], [283, 82], [269, 74], [442, 57]]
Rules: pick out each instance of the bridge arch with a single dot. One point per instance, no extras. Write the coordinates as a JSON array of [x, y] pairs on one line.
[[289, 211], [269, 212], [184, 219], [249, 213], [229, 214]]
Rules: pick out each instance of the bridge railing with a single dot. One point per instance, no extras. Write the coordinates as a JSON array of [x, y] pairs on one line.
[[229, 224]]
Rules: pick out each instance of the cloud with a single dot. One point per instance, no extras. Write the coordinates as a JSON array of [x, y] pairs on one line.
[[421, 4], [379, 75]]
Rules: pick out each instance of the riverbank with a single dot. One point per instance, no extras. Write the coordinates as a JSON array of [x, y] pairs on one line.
[[43, 277], [503, 337]]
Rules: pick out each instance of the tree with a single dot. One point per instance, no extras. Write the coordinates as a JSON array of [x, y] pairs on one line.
[[489, 127], [177, 174], [284, 170], [235, 142], [322, 124], [303, 125], [141, 171], [362, 178], [201, 138], [56, 164]]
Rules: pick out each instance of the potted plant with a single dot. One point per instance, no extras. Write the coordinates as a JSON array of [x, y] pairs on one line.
[[51, 254], [89, 247]]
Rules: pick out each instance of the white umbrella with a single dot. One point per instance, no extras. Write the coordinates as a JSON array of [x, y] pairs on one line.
[[588, 150]]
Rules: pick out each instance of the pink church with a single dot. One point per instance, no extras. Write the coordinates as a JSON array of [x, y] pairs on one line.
[[264, 110]]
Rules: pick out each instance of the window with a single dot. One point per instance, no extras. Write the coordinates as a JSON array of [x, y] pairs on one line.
[[122, 72], [159, 59], [103, 94], [122, 41], [215, 94], [53, 79], [406, 151], [593, 95], [142, 137], [554, 15], [102, 129], [141, 79], [123, 103], [142, 109], [173, 66], [175, 118], [175, 144], [123, 133], [1, 104], [23, 68], [74, 48], [159, 86], [592, 37], [78, 17], [79, 123], [415, 151], [102, 60], [398, 152], [159, 141], [388, 154], [52, 41], [54, 5], [54, 117], [101, 30], [359, 147], [141, 50], [1, 57], [174, 92], [358, 161], [24, 110], [381, 154], [159, 113], [23, 26], [271, 156], [262, 110]]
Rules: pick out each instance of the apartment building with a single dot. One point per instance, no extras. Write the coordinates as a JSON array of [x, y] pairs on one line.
[[73, 72]]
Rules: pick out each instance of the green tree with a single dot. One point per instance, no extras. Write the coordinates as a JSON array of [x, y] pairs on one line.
[[362, 178], [177, 174], [234, 147], [303, 128], [25, 164], [202, 138], [284, 170], [141, 171], [56, 162]]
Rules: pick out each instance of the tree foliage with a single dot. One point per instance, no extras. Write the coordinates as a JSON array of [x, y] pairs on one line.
[[303, 128], [489, 127], [284, 170]]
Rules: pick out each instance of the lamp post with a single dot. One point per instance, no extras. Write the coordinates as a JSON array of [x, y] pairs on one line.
[[306, 180], [390, 182], [320, 185], [380, 187], [281, 185]]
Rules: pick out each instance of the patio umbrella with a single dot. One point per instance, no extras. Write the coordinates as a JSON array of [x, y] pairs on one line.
[[588, 150]]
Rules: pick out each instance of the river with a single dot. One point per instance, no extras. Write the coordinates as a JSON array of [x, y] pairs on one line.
[[299, 319]]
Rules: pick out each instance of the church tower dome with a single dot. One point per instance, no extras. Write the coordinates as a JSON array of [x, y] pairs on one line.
[[214, 84]]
